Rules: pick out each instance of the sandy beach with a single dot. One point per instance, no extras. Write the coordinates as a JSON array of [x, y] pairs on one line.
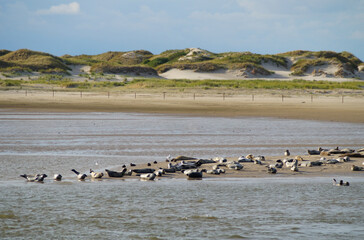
[[294, 106], [277, 104]]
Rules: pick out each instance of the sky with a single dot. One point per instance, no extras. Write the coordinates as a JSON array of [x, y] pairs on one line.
[[260, 26]]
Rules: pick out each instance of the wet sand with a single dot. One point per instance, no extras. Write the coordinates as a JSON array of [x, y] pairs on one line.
[[299, 107], [251, 170], [336, 108]]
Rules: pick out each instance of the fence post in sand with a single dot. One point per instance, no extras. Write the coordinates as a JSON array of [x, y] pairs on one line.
[[311, 98], [26, 92], [252, 97], [108, 94], [53, 93], [223, 96], [164, 95], [342, 98], [135, 95], [194, 96], [81, 94], [282, 97]]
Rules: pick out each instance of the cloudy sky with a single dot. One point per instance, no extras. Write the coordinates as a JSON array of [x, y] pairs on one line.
[[260, 26]]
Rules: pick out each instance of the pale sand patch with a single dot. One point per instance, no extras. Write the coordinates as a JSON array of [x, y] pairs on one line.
[[192, 75], [280, 73]]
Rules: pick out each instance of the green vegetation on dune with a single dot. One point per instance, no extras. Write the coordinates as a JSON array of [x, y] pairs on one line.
[[302, 65], [346, 62], [248, 57], [115, 68], [3, 52], [243, 84], [122, 58], [33, 60], [152, 83], [79, 60], [141, 62], [197, 67]]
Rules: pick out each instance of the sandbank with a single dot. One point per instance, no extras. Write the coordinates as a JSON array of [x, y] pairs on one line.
[[251, 170]]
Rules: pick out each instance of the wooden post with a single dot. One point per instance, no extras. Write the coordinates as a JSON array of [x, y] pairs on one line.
[[311, 98], [26, 92], [108, 94], [282, 97], [223, 96], [81, 94], [53, 93], [164, 95], [342, 98], [194, 96], [253, 97], [135, 95]]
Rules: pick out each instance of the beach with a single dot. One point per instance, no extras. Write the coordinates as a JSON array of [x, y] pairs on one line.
[[342, 106]]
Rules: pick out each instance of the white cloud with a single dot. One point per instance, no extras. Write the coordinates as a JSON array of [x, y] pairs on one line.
[[72, 8]]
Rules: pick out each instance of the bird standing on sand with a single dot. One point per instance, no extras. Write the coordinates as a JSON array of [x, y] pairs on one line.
[[287, 153]]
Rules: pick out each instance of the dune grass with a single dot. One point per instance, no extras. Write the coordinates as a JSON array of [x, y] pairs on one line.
[[243, 84], [64, 82]]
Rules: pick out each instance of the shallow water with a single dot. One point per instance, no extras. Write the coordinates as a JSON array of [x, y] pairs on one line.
[[180, 209], [267, 208], [57, 142]]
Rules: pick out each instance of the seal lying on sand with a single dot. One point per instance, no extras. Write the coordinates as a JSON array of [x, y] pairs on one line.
[[96, 174], [341, 183], [115, 173], [144, 170], [147, 176], [34, 178], [80, 176]]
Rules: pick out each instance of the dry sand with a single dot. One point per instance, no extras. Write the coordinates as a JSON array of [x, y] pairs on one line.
[[293, 106]]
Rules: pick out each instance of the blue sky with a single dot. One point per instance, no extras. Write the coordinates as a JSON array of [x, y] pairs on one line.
[[259, 26]]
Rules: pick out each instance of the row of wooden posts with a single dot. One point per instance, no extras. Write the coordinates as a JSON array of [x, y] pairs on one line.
[[194, 96]]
